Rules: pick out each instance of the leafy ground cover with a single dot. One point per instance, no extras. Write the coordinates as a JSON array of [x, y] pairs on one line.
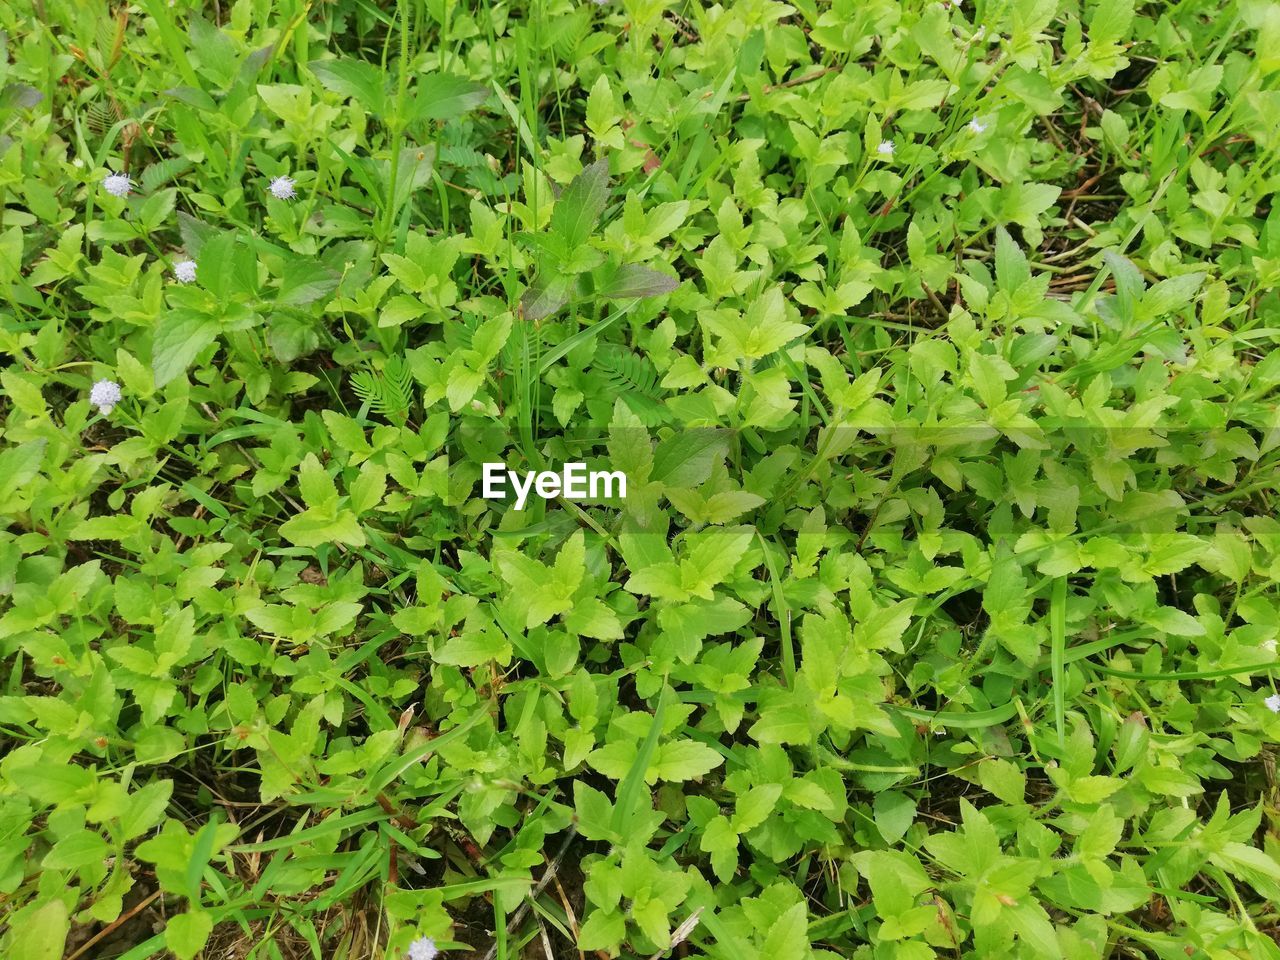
[[935, 339]]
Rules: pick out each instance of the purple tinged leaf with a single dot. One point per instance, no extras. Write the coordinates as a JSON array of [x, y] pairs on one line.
[[634, 280]]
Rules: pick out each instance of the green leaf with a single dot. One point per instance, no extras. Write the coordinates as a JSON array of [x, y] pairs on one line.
[[313, 529], [1003, 779], [783, 722], [305, 282], [474, 647], [228, 267], [788, 938], [652, 918], [146, 808], [352, 78], [896, 879], [179, 337], [580, 205], [755, 805], [721, 841], [316, 486], [441, 96], [634, 280], [323, 521], [630, 797], [18, 465], [546, 296], [1170, 295], [1035, 929], [157, 208], [42, 935], [687, 459], [1110, 21], [80, 849], [187, 933], [594, 812], [681, 760], [602, 930], [761, 330], [1251, 865], [894, 812], [368, 488]]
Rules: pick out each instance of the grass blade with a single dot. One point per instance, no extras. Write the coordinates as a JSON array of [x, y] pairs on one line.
[[1058, 639]]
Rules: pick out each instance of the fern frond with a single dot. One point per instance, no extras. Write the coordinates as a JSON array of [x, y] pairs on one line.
[[461, 155], [399, 382], [634, 379], [161, 172], [626, 371], [100, 114], [366, 385], [388, 393]]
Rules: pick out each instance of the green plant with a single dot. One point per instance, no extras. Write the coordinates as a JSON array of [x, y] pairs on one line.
[[936, 342]]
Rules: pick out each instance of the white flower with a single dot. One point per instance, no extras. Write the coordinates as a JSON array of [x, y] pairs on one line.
[[885, 149], [1272, 703], [282, 188], [977, 126], [185, 271], [424, 948], [104, 395], [117, 184]]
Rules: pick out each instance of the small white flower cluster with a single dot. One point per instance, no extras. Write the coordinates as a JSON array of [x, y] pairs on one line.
[[886, 148], [1272, 703], [104, 395], [120, 185], [424, 948], [117, 184], [282, 188]]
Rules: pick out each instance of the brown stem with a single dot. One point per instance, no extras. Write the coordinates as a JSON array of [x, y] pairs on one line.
[[118, 921]]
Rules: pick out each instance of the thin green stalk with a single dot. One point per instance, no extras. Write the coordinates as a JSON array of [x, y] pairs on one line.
[[1058, 638], [397, 128]]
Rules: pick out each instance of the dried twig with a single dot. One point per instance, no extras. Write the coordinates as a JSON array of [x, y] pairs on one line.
[[552, 869], [681, 934], [114, 924], [795, 82]]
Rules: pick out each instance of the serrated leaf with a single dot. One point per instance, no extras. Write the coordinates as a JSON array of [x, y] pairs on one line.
[[178, 340], [545, 296], [634, 280], [304, 282], [682, 760], [580, 205], [441, 96], [361, 81]]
